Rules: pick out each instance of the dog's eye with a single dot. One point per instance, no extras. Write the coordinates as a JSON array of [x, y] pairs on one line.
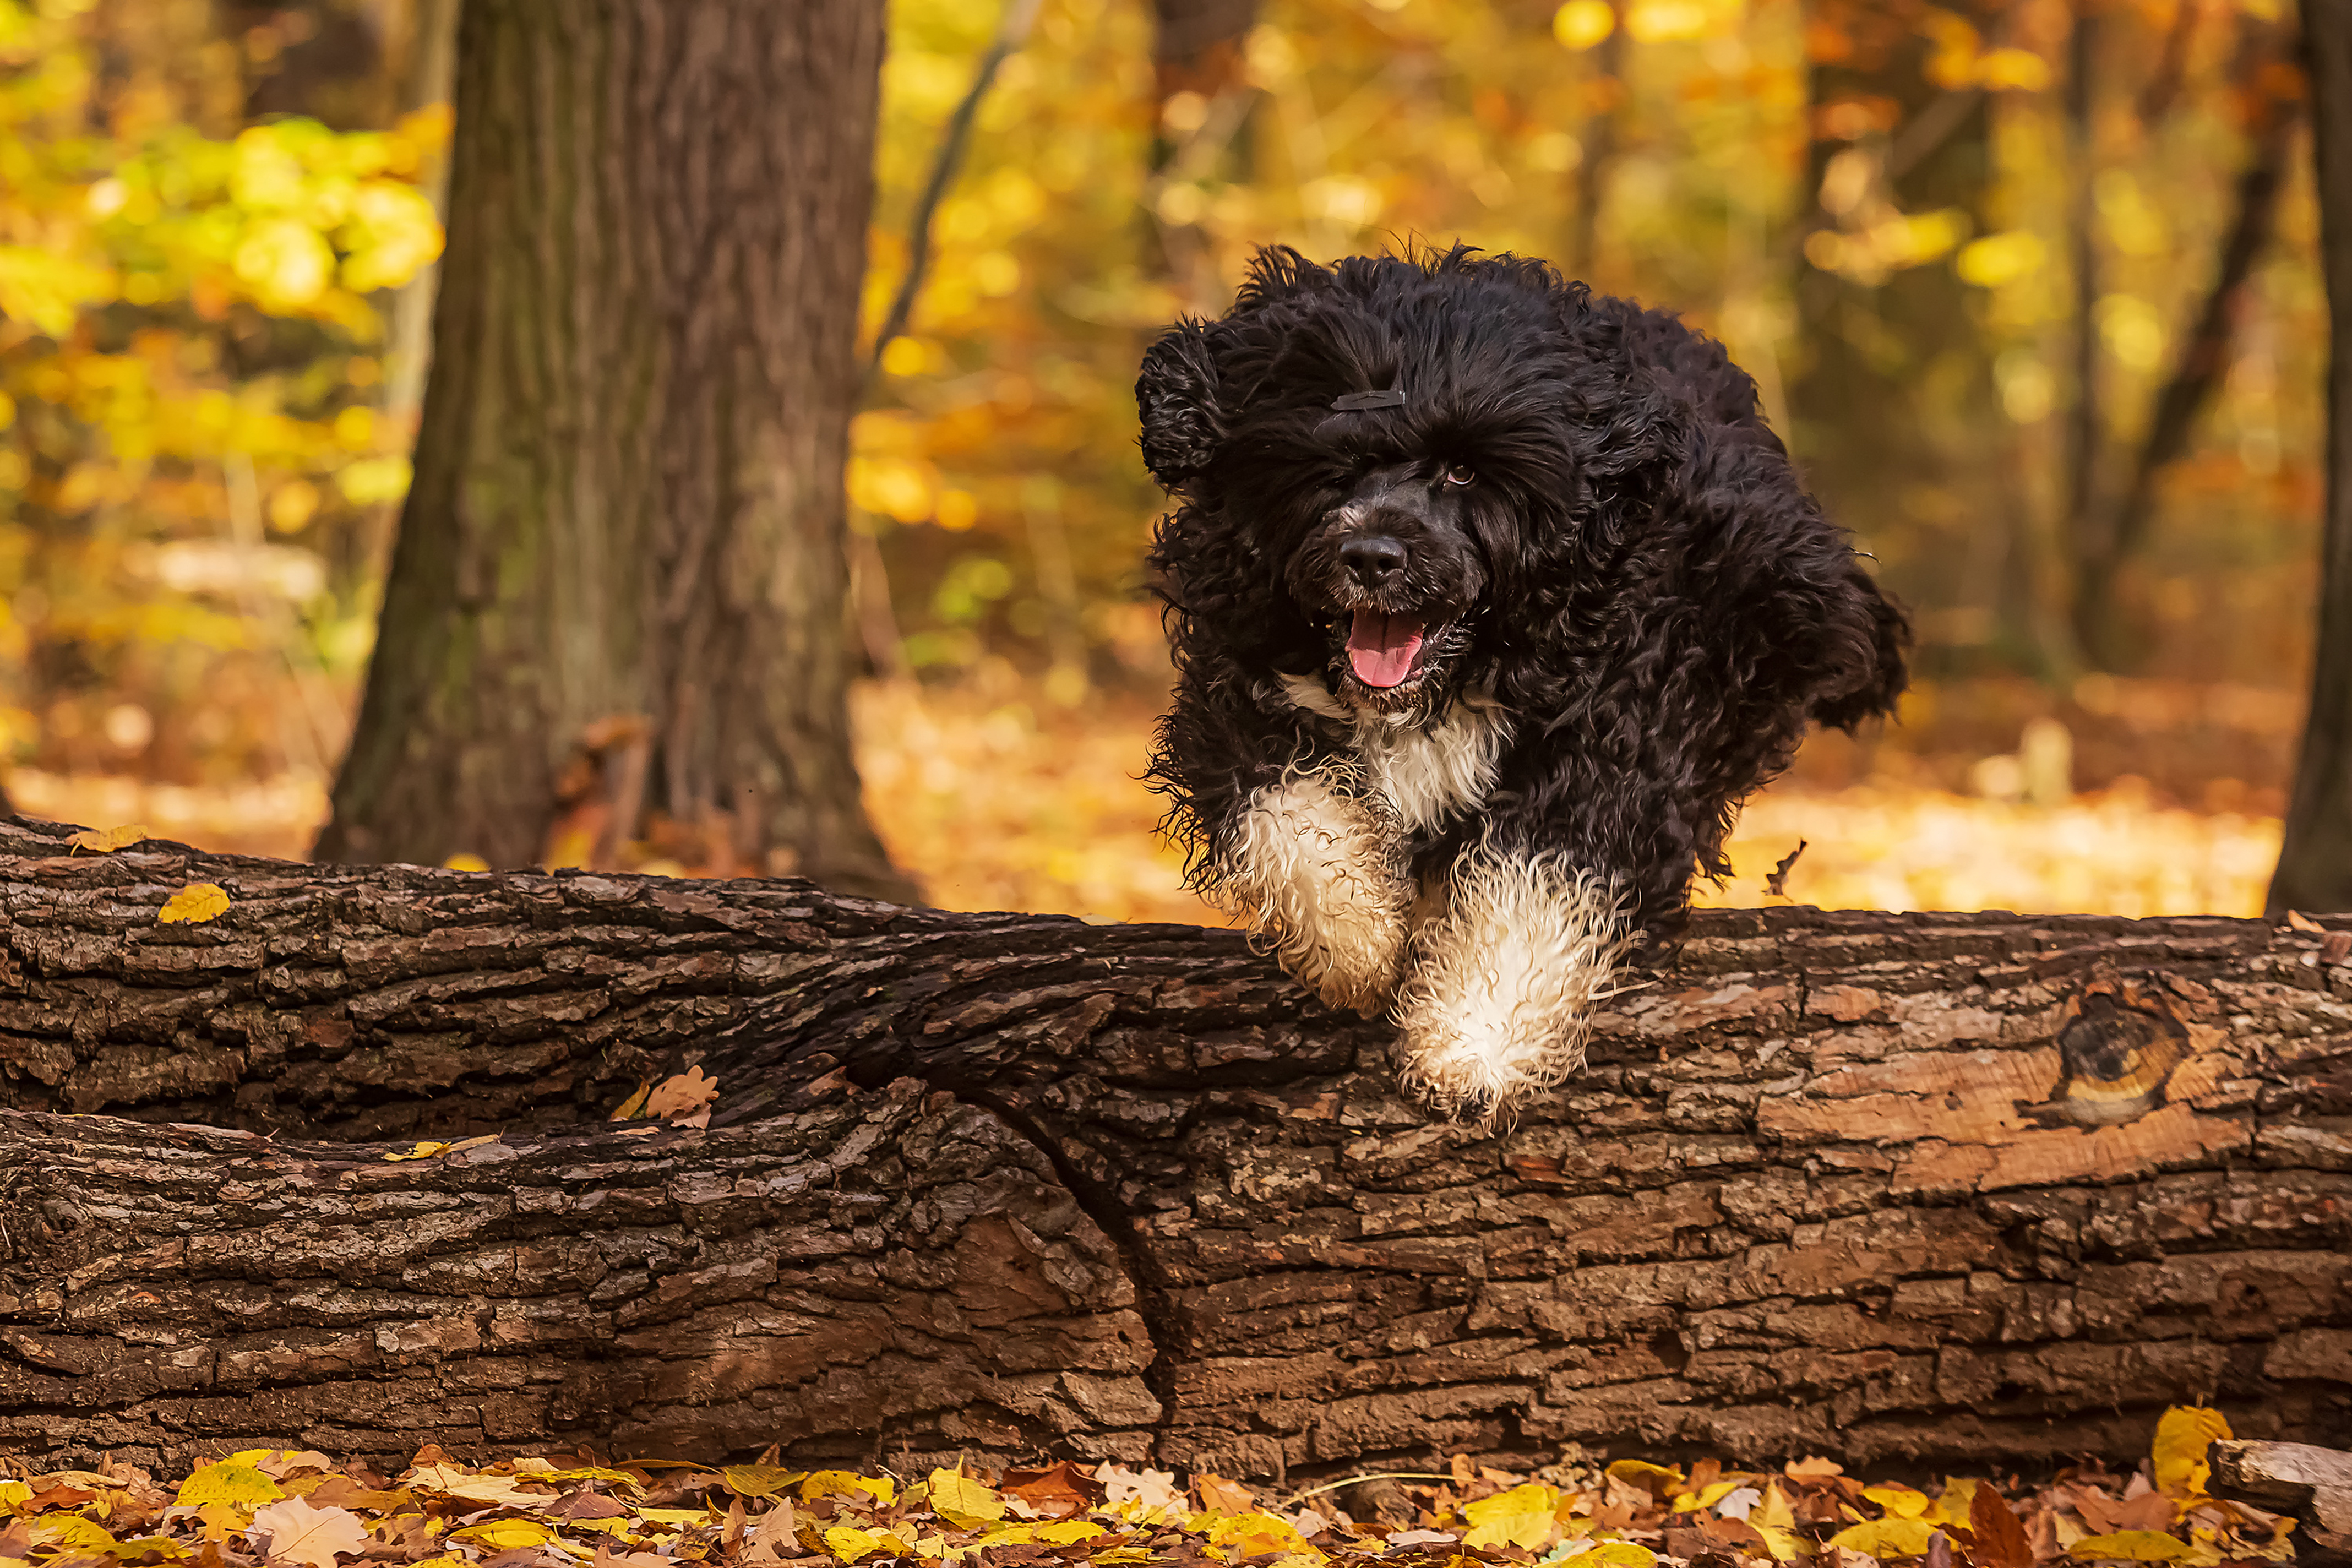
[[1460, 473]]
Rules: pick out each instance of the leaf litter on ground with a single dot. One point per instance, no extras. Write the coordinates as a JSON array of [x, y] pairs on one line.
[[266, 1507]]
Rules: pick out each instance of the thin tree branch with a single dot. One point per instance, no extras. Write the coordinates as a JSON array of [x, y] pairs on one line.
[[2205, 357], [1010, 32]]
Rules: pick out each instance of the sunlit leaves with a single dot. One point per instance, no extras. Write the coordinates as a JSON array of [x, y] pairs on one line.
[[137, 250], [1580, 23]]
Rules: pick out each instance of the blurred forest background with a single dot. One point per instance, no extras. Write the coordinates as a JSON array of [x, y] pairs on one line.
[[2031, 288]]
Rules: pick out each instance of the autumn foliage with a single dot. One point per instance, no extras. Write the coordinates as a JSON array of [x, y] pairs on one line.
[[296, 1506]]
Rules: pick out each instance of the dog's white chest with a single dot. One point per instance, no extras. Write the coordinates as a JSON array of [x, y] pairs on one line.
[[1426, 772]]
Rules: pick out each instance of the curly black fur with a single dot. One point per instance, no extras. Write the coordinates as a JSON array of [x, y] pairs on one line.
[[1599, 531]]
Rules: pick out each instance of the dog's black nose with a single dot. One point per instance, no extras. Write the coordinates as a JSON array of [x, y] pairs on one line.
[[1372, 562]]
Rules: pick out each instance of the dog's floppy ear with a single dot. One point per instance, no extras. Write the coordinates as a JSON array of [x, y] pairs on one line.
[[1177, 397], [1866, 672]]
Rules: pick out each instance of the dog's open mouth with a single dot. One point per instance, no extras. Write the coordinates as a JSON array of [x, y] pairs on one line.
[[1384, 649]]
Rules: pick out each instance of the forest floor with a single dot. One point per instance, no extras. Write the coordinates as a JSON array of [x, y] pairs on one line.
[[995, 797], [301, 1507]]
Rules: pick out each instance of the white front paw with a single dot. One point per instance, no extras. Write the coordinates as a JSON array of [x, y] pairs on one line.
[[1315, 873], [1501, 993]]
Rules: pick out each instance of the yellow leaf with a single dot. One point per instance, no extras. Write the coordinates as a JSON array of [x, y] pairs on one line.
[[757, 1480], [676, 1518], [963, 1501], [1893, 1536], [107, 840], [846, 1483], [422, 1151], [2132, 1545], [72, 1534], [1658, 1481], [1253, 1534], [1901, 1501], [505, 1534], [453, 1480], [850, 1543], [230, 1483], [1706, 1496], [1785, 1544], [193, 905], [1063, 1531], [1953, 1503], [1621, 1554], [12, 1495], [540, 1470], [2182, 1436], [465, 862], [1774, 1510], [1522, 1516]]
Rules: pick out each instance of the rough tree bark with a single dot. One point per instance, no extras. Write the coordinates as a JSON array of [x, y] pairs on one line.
[[1958, 1187], [626, 524], [2314, 870]]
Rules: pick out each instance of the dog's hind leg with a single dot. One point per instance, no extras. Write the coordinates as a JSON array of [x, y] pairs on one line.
[[1503, 984], [1319, 876]]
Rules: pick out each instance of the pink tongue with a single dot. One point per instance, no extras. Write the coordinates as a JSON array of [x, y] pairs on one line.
[[1380, 647]]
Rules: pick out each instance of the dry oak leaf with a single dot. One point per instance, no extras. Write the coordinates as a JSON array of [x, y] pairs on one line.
[[301, 1533], [193, 905], [107, 840], [685, 1093], [1150, 1487]]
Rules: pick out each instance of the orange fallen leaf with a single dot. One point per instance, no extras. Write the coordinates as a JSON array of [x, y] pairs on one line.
[[1219, 1495], [686, 1092]]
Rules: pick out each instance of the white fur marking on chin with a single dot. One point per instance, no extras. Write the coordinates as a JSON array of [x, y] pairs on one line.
[[1311, 870], [1501, 994], [1426, 772]]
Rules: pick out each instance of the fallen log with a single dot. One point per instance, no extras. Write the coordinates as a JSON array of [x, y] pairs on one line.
[[1959, 1188], [2311, 1483]]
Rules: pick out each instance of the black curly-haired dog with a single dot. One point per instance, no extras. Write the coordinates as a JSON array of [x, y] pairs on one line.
[[1491, 600]]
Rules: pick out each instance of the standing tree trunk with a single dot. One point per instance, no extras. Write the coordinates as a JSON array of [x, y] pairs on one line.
[[2316, 863], [626, 526]]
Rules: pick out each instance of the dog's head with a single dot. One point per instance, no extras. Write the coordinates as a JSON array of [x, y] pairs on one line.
[[1390, 444]]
